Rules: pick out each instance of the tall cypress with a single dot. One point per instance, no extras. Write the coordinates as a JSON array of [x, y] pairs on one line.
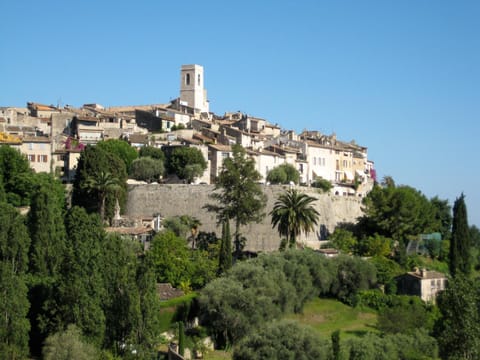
[[459, 256], [14, 243], [225, 257], [47, 251]]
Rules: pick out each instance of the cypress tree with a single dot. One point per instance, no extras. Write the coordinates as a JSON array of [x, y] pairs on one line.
[[459, 256], [181, 338], [336, 344], [225, 258], [47, 252], [14, 244]]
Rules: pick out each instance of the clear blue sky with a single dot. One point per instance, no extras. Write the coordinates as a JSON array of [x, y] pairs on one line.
[[400, 77]]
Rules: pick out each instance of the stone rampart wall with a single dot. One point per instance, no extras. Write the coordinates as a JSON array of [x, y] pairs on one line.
[[178, 199]]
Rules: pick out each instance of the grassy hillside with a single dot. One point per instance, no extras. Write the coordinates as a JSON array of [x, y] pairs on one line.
[[327, 315]]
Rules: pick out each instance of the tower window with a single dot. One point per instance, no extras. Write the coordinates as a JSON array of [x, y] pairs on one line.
[[198, 79], [187, 79]]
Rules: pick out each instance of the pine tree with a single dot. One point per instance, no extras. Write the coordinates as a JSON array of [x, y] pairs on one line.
[[225, 258], [460, 258]]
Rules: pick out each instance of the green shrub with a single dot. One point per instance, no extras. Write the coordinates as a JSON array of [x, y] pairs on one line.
[[322, 184]]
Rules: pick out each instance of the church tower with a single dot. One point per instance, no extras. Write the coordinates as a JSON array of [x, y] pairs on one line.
[[192, 91]]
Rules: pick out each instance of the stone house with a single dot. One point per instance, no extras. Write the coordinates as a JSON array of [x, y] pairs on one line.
[[424, 283], [38, 150], [87, 130]]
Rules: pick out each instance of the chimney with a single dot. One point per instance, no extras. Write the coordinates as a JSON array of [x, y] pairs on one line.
[[423, 272]]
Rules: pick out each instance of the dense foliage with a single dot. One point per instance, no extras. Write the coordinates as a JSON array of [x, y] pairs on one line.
[[283, 174], [153, 152], [262, 289], [121, 149], [322, 184], [459, 327], [16, 176], [147, 169], [100, 179], [282, 340], [186, 162], [398, 212]]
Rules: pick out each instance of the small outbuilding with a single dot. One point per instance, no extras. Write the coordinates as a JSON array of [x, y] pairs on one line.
[[424, 283]]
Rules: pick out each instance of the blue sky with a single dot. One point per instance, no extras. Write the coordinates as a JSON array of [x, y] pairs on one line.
[[400, 77]]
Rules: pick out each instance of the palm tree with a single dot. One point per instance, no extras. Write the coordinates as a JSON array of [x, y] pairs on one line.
[[103, 184], [293, 214]]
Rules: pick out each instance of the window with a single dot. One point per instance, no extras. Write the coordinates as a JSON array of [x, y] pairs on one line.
[[314, 161], [225, 155], [31, 158], [187, 79], [198, 80], [323, 161], [30, 146], [42, 158]]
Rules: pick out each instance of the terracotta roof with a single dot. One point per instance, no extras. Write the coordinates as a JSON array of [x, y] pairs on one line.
[[202, 137], [42, 107], [87, 118], [2, 119]]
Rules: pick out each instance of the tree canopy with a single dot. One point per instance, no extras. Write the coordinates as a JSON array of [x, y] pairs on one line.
[[459, 326], [398, 212], [16, 176], [122, 149], [283, 174], [92, 163], [282, 340], [147, 169], [186, 162], [153, 152]]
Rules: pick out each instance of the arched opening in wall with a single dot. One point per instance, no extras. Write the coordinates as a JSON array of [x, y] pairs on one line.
[[187, 79], [198, 80]]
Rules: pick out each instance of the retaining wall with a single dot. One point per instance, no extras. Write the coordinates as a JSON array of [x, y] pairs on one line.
[[178, 199]]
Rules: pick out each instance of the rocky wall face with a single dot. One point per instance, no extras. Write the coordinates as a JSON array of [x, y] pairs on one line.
[[179, 199]]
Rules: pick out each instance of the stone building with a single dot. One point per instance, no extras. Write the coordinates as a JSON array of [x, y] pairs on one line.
[[424, 283]]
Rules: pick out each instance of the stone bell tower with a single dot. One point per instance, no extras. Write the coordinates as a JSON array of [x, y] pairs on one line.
[[192, 91]]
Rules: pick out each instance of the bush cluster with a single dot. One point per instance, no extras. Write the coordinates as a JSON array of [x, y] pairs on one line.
[[262, 289]]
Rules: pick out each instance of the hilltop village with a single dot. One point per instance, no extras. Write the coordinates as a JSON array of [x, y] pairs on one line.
[[52, 138]]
